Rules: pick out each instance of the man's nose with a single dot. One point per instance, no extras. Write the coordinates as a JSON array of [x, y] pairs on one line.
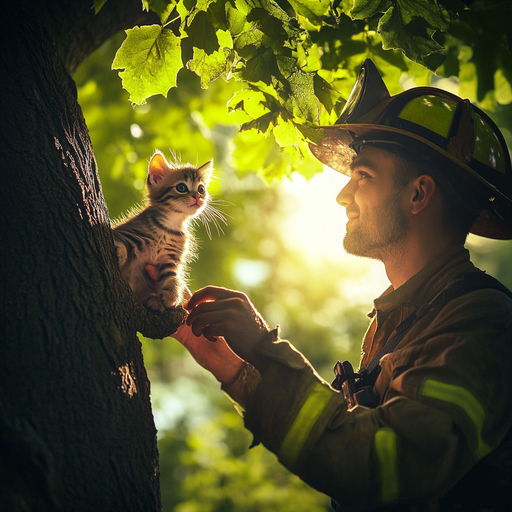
[[346, 196]]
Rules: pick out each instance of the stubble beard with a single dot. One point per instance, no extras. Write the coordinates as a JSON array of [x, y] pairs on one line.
[[383, 237]]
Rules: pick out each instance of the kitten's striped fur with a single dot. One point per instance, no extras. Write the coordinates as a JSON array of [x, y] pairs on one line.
[[160, 234]]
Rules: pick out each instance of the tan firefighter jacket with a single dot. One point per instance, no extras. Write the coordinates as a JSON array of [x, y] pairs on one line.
[[446, 397]]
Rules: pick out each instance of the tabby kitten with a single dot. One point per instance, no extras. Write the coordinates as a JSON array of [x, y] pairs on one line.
[[154, 244]]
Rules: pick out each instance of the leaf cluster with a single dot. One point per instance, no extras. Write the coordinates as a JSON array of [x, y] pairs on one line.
[[294, 61]]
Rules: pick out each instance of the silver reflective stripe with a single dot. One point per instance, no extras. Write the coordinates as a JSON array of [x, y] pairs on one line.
[[462, 398], [385, 446], [317, 399]]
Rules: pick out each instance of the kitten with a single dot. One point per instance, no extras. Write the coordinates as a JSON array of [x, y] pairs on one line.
[[154, 245]]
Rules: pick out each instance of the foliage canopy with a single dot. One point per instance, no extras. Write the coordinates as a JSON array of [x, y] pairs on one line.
[[294, 62]]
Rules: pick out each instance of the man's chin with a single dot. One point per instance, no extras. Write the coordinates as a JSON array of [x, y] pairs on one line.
[[356, 246], [352, 243]]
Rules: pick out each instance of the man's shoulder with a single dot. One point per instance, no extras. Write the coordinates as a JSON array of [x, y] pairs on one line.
[[478, 307], [476, 286]]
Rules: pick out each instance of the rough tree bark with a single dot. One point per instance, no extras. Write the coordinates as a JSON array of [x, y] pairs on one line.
[[76, 427]]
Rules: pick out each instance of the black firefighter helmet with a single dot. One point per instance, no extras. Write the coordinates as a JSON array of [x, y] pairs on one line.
[[430, 119]]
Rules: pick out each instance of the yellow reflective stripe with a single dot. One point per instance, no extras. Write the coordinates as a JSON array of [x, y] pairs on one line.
[[385, 446], [461, 397], [316, 401]]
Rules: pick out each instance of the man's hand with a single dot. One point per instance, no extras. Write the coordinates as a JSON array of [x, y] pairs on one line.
[[227, 313], [216, 357]]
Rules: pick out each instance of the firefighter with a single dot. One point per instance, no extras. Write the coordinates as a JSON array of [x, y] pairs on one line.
[[425, 424]]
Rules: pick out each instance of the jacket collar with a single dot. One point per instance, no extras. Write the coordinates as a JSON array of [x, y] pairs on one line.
[[428, 282]]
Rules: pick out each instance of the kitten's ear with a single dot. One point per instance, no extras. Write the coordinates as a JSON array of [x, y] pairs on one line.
[[206, 170], [158, 169]]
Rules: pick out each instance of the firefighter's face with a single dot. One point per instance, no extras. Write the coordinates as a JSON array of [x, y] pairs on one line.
[[375, 208]]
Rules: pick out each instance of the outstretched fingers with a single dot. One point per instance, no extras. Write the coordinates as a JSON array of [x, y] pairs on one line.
[[221, 312], [214, 318], [213, 293]]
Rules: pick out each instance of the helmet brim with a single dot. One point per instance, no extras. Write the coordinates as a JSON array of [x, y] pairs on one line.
[[336, 152]]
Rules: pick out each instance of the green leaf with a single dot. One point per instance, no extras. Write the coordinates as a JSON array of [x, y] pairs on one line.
[[183, 9], [98, 4], [202, 34], [236, 20], [302, 98], [261, 67], [250, 101], [286, 65], [312, 11], [285, 133], [414, 39], [224, 38], [248, 42], [203, 5], [362, 9], [161, 7], [327, 95], [218, 15], [311, 134], [209, 67], [151, 58], [243, 7], [274, 35], [262, 124], [268, 90], [430, 11]]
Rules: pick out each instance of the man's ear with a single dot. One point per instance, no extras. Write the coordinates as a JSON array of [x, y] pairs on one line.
[[424, 189]]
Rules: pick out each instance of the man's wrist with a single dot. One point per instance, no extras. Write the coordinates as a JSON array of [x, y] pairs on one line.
[[228, 374], [243, 385]]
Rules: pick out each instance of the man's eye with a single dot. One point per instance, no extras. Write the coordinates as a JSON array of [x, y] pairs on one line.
[[201, 189], [181, 188], [362, 176]]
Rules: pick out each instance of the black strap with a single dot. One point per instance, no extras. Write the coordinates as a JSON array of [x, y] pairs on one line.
[[401, 331], [466, 283]]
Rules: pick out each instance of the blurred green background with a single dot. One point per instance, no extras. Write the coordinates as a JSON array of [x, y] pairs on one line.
[[282, 246]]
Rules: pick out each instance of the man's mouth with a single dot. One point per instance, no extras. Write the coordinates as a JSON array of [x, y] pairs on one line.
[[352, 214]]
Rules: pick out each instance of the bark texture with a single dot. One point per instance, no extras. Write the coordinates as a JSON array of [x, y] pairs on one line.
[[76, 427]]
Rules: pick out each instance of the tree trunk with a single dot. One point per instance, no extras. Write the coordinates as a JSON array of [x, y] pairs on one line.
[[76, 427]]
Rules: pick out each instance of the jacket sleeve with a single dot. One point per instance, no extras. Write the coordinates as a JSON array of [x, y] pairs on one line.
[[447, 403]]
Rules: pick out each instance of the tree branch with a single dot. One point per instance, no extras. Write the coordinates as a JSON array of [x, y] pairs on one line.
[[160, 325]]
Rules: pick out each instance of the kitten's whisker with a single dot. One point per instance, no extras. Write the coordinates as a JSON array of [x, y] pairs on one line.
[[215, 213], [218, 213], [211, 214], [220, 201], [206, 223]]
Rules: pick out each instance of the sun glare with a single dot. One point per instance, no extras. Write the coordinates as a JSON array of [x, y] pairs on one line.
[[316, 226]]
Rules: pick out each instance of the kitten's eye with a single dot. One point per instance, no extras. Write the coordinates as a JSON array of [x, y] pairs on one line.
[[201, 189], [181, 188]]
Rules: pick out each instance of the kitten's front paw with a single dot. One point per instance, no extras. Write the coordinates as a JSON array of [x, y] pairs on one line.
[[155, 304], [169, 298]]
